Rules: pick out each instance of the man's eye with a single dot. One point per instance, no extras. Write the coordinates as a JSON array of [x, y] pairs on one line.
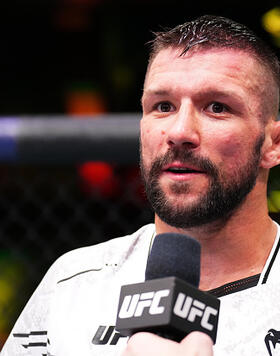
[[217, 108], [164, 107]]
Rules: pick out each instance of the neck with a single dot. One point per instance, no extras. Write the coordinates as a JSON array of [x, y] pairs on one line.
[[234, 250]]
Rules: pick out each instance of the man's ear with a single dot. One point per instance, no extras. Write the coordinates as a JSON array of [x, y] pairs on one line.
[[271, 149]]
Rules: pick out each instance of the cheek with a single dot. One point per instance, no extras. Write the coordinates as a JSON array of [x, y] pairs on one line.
[[152, 141], [231, 150]]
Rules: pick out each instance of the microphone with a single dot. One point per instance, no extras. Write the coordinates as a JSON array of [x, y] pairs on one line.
[[168, 303]]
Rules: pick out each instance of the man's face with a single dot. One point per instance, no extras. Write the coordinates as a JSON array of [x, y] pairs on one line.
[[201, 134]]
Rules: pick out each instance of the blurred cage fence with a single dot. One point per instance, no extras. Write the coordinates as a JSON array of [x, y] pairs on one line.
[[64, 183], [67, 183]]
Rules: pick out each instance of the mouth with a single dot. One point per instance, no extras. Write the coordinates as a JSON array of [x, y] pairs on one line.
[[181, 171], [180, 168]]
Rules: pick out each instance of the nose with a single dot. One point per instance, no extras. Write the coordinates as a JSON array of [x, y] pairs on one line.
[[184, 128]]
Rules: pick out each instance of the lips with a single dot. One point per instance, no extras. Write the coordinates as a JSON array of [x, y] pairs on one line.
[[181, 168]]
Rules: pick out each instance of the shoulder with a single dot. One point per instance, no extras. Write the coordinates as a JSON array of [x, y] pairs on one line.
[[271, 270], [94, 257]]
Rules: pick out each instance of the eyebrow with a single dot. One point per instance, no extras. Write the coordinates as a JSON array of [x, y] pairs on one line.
[[224, 93], [156, 92], [211, 92]]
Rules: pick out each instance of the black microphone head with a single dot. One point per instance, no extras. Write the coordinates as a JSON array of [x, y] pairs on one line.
[[174, 255]]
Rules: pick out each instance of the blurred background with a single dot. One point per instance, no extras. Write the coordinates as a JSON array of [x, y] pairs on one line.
[[79, 59]]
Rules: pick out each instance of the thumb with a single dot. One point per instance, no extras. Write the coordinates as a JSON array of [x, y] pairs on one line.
[[199, 343]]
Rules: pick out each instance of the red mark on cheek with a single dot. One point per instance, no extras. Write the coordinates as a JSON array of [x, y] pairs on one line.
[[233, 149], [162, 132]]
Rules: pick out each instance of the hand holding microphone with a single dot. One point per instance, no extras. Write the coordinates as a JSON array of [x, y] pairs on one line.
[[168, 303], [147, 344]]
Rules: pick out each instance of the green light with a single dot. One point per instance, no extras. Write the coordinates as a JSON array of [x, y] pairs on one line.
[[274, 201]]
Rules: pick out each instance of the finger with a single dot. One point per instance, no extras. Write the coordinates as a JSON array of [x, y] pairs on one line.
[[148, 344], [198, 344]]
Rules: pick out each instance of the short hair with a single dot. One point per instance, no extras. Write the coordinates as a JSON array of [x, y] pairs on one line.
[[216, 32]]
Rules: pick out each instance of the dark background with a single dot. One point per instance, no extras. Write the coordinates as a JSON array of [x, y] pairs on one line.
[[52, 48], [80, 57]]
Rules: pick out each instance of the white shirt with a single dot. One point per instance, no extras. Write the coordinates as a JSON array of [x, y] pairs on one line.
[[73, 310]]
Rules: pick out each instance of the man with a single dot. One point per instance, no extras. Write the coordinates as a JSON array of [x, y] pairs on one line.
[[209, 135]]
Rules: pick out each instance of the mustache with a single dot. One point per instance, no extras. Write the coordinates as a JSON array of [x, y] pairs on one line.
[[185, 157]]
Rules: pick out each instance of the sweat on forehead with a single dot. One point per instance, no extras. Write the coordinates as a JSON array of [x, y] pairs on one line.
[[208, 32], [214, 32], [210, 67]]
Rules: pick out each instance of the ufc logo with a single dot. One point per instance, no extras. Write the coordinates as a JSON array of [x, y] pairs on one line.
[[134, 305], [190, 309], [106, 335]]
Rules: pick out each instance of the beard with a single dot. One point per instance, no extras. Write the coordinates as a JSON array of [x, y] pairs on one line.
[[225, 193]]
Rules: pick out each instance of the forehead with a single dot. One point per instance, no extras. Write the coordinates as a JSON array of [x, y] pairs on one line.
[[218, 67]]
